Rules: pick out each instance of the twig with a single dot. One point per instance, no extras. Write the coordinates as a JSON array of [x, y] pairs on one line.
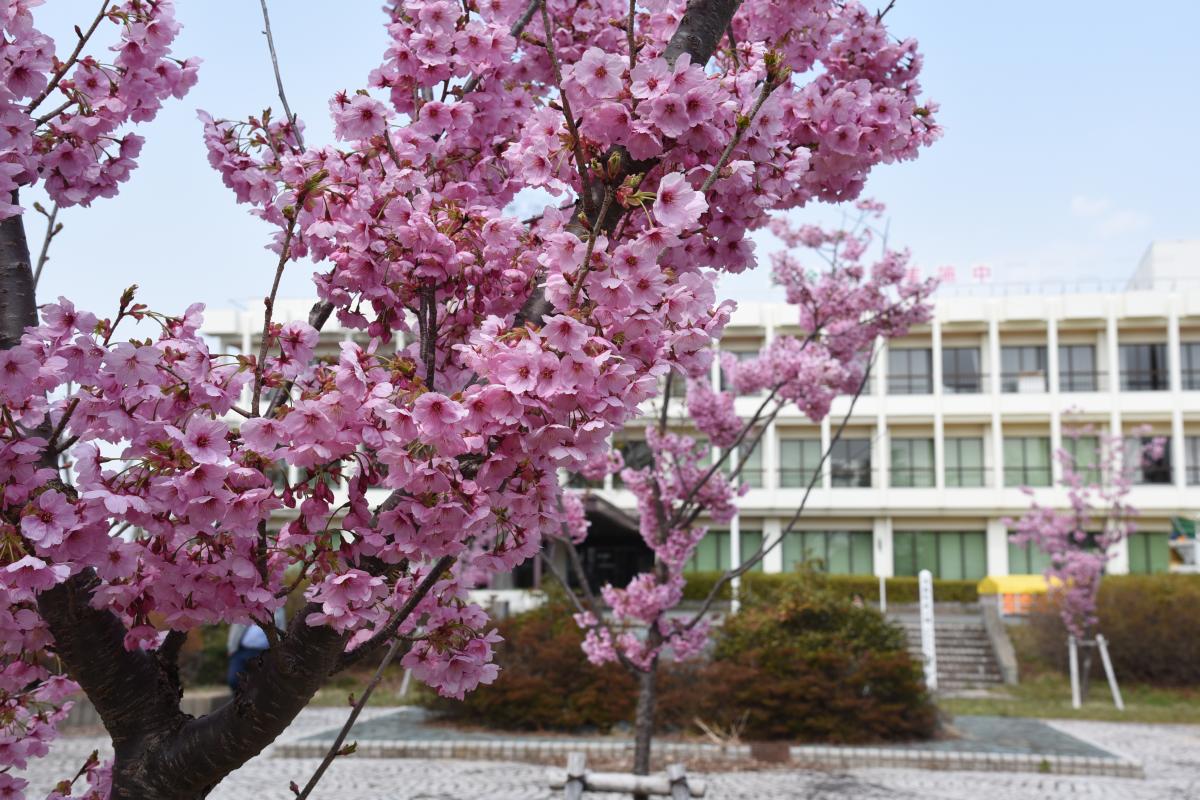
[[291, 117], [591, 244], [51, 231], [269, 302], [629, 33], [743, 124], [763, 549], [580, 162], [61, 72], [400, 615]]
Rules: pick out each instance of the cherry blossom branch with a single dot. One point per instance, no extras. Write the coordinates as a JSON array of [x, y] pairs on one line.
[[393, 624], [52, 230], [397, 619], [287, 109], [569, 118], [630, 34], [763, 548], [515, 31], [269, 302], [61, 72], [591, 244], [770, 83]]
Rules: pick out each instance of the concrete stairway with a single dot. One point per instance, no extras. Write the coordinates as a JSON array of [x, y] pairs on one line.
[[965, 656]]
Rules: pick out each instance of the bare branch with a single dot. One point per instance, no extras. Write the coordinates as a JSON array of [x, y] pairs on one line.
[[569, 117], [53, 227], [61, 72], [269, 302], [287, 109]]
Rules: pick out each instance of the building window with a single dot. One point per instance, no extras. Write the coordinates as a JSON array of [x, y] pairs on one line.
[[1027, 559], [960, 370], [1026, 461], [949, 555], [798, 460], [912, 463], [1144, 368], [752, 471], [1023, 369], [1149, 552], [964, 463], [577, 480], [850, 462], [1085, 457], [1191, 365], [636, 455], [910, 371], [1141, 467], [1192, 456], [712, 553], [835, 552], [1077, 368]]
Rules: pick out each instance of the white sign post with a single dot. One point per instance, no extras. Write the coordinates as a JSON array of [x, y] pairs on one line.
[[928, 646]]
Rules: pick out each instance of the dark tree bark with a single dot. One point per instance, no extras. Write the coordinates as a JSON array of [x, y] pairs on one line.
[[17, 307], [643, 721]]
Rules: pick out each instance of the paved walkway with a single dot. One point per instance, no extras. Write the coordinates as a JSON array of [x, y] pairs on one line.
[[1171, 755]]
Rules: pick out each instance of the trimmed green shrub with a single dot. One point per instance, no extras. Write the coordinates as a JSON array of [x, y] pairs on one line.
[[899, 590], [1150, 622], [809, 665], [546, 683]]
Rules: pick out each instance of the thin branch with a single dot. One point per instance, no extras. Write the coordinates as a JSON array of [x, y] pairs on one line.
[[397, 619], [763, 548], [61, 72], [53, 227], [580, 162], [631, 35], [269, 302], [287, 109], [591, 244], [743, 125]]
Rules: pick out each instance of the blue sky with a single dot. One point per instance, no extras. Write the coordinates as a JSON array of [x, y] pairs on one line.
[[1070, 144]]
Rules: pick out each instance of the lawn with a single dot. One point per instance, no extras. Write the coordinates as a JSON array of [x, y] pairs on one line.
[[1048, 695]]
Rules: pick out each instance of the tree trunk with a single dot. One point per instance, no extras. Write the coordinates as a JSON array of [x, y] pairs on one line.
[[17, 307], [643, 723]]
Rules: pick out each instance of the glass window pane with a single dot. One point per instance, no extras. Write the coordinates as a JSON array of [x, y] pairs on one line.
[[926, 553], [904, 553], [974, 544], [839, 553], [750, 542], [862, 553], [950, 557]]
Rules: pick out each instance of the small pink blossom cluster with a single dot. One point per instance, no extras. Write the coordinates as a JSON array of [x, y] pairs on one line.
[[60, 120], [1079, 540]]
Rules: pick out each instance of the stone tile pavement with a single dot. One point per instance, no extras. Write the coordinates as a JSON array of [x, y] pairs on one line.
[[1170, 754]]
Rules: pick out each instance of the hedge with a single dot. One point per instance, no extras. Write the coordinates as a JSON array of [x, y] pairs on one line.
[[1151, 622], [899, 590], [804, 664]]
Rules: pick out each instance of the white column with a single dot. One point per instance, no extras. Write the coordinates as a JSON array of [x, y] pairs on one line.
[[1114, 368], [1055, 407], [997, 548], [994, 347], [939, 439], [881, 541], [1119, 563], [1175, 366], [773, 561], [770, 441], [826, 443]]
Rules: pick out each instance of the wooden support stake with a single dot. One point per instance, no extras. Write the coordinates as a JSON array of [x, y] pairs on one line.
[[1073, 657]]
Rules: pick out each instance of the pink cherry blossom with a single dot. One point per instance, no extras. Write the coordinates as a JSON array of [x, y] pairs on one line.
[[678, 206]]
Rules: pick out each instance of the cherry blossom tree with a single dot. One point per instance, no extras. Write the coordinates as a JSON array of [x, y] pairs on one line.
[[1081, 538], [842, 311], [142, 489]]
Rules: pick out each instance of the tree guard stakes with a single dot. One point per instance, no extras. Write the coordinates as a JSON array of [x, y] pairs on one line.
[[1079, 683], [576, 781]]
